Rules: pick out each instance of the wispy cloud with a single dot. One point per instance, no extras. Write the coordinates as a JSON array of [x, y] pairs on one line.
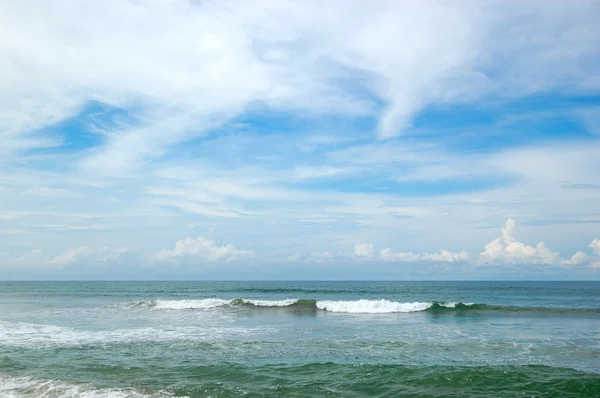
[[211, 62], [85, 255], [300, 127]]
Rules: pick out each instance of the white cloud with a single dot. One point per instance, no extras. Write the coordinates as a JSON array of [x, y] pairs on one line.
[[208, 62], [82, 255], [89, 255], [506, 249], [595, 246], [446, 256], [216, 194], [31, 259], [502, 250], [71, 256], [443, 256], [177, 71], [323, 257], [201, 249], [575, 259], [363, 249], [67, 227]]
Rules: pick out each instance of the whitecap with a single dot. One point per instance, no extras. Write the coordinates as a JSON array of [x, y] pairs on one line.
[[454, 304], [371, 306], [271, 303], [202, 304], [30, 387]]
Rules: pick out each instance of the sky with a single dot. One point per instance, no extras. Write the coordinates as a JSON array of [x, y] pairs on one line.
[[280, 140]]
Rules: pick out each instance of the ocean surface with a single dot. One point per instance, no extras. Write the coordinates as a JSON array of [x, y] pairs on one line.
[[299, 339]]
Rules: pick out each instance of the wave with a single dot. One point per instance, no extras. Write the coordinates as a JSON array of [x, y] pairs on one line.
[[328, 378], [210, 303], [358, 380], [188, 304], [362, 306], [21, 387], [371, 306]]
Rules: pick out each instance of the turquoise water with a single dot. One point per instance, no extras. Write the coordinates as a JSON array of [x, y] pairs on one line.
[[299, 339]]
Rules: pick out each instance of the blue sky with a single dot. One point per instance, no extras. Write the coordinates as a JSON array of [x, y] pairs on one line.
[[299, 140]]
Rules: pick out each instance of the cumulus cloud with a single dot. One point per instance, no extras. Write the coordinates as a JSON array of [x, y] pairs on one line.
[[505, 249], [443, 256], [323, 257], [201, 249], [575, 259], [146, 76], [595, 246], [363, 249]]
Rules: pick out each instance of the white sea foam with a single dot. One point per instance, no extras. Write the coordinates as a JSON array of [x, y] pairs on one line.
[[271, 303], [29, 387], [202, 304], [453, 304], [371, 306], [30, 335], [354, 306], [448, 305], [205, 304]]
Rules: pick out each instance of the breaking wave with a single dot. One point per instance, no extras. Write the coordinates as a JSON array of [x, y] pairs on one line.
[[362, 306], [188, 304], [371, 306], [352, 307]]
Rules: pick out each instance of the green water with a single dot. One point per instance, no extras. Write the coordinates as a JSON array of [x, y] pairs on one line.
[[300, 339]]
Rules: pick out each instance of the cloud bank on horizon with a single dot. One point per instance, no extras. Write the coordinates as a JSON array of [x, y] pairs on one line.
[[314, 137]]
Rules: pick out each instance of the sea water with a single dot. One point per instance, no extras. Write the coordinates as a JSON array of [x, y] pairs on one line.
[[299, 339]]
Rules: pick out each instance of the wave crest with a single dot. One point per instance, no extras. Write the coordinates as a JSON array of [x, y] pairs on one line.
[[363, 306], [202, 304], [371, 306], [18, 387], [267, 303]]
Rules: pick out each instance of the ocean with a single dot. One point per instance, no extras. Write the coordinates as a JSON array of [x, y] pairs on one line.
[[299, 339]]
